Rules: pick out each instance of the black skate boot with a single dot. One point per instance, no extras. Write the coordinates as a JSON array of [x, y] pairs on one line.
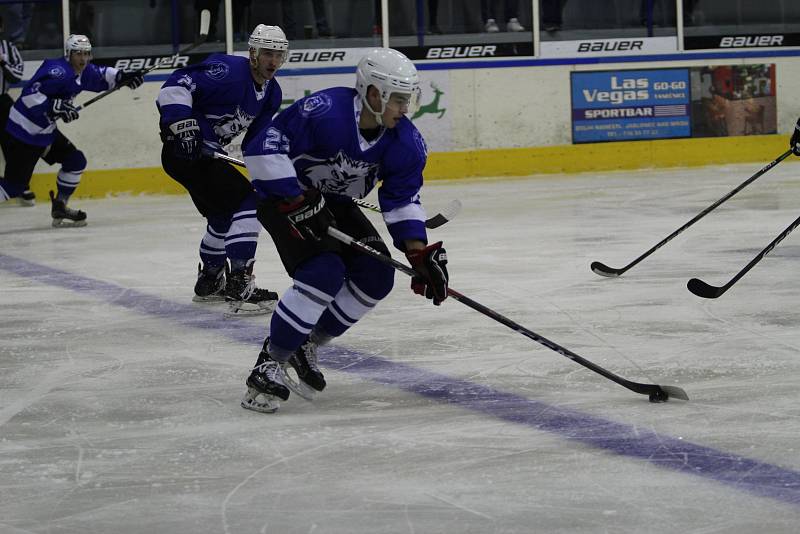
[[244, 298], [304, 362], [64, 216], [210, 286], [265, 385], [27, 198]]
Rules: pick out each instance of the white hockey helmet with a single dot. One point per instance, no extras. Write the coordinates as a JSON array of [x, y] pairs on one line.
[[269, 37], [390, 72], [77, 43]]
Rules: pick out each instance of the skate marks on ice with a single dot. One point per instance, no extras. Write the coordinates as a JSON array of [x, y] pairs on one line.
[[637, 443]]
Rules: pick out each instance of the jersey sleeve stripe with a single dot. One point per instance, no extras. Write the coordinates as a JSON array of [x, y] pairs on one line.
[[270, 167], [34, 99], [174, 96], [409, 212]]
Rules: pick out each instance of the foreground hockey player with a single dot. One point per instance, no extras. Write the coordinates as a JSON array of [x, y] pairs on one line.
[[31, 131], [203, 108], [319, 154]]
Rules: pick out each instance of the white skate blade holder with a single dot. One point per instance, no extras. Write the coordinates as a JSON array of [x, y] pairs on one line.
[[260, 402]]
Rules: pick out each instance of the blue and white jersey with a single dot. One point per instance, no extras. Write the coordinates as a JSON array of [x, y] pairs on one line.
[[29, 121], [221, 95], [316, 143]]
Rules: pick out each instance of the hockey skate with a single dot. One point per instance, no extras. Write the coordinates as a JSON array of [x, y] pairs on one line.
[[64, 216], [27, 199], [265, 385], [244, 298], [309, 378], [210, 286]]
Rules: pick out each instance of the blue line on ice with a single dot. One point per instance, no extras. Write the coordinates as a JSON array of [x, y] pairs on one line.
[[742, 473]]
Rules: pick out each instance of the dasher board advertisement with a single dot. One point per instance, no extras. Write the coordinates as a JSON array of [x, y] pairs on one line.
[[629, 105]]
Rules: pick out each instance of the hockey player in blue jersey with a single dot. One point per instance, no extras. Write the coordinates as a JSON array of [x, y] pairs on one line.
[[31, 131], [203, 107], [316, 156]]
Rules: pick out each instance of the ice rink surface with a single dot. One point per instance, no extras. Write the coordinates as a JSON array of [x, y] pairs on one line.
[[119, 397]]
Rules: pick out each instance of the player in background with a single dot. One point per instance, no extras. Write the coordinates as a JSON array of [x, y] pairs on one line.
[[794, 142], [203, 107], [31, 131], [316, 156], [11, 70]]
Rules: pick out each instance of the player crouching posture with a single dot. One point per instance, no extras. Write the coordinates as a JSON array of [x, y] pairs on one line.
[[203, 108], [317, 155], [31, 131]]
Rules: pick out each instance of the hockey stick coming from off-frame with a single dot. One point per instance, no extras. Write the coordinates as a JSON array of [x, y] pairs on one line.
[[657, 393], [205, 22], [702, 289], [604, 270], [436, 221]]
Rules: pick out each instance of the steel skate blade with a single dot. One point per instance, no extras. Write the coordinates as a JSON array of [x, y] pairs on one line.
[[235, 309], [296, 385], [66, 223]]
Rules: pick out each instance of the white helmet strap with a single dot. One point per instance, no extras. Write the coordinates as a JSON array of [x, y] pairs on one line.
[[377, 114]]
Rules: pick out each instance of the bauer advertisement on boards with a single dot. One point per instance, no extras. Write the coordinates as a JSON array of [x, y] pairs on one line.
[[630, 105]]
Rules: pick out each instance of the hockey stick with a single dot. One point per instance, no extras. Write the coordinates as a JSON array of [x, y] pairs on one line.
[[605, 270], [657, 393], [205, 21], [436, 221], [707, 291]]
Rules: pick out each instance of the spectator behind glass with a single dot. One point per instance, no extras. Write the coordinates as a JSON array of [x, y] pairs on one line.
[[433, 10], [552, 19], [290, 27], [18, 20], [490, 21]]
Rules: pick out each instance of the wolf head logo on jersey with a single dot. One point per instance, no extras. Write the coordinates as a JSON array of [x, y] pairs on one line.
[[229, 126], [342, 175]]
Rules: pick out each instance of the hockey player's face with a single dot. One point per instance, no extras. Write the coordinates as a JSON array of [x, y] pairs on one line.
[[395, 109], [79, 60], [267, 62]]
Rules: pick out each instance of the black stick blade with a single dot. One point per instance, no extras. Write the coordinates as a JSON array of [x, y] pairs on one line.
[[447, 214], [702, 289], [604, 270], [674, 391]]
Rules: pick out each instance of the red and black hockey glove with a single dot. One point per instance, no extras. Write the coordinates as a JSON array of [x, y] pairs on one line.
[[310, 217], [431, 264]]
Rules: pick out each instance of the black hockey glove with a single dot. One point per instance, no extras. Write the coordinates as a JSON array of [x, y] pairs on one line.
[[431, 264], [794, 143], [187, 139], [132, 79], [63, 109], [310, 217]]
